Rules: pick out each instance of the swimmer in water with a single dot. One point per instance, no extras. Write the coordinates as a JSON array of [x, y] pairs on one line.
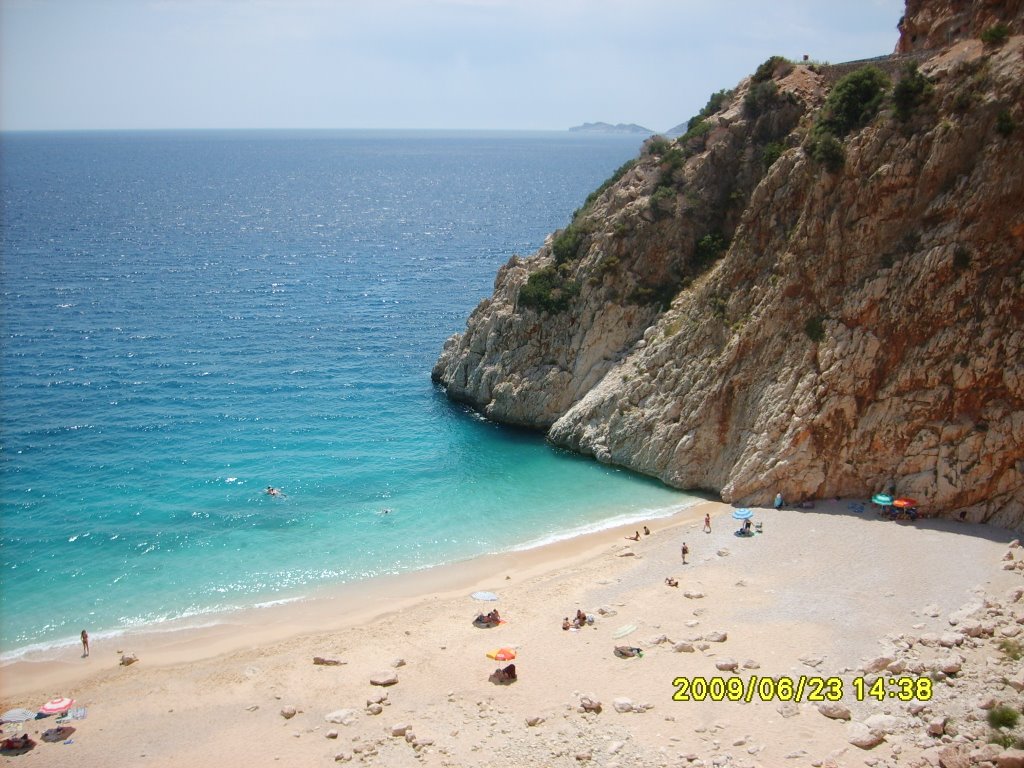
[[272, 491]]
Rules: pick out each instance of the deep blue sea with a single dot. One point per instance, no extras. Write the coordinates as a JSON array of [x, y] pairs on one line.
[[190, 317]]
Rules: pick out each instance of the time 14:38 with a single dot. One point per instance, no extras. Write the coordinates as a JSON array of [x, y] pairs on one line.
[[899, 688]]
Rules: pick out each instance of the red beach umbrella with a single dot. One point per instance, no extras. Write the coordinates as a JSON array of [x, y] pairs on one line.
[[502, 654], [905, 503], [56, 706]]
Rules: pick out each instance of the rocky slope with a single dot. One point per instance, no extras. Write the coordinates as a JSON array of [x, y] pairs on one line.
[[761, 306]]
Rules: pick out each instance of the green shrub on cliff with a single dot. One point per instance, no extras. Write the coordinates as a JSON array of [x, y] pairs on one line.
[[912, 90], [854, 101], [567, 243], [663, 202], [815, 329], [659, 295], [715, 103], [997, 34], [771, 152], [766, 71], [657, 146], [548, 289], [708, 249], [760, 98], [1005, 123], [826, 149]]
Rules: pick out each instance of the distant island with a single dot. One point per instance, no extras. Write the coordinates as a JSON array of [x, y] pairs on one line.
[[609, 128]]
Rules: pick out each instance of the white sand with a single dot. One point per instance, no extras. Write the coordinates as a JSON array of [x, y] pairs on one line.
[[825, 582]]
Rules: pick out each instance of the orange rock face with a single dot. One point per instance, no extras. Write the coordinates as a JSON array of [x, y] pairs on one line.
[[740, 318]]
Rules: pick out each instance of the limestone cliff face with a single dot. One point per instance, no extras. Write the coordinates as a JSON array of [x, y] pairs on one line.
[[930, 25], [861, 330]]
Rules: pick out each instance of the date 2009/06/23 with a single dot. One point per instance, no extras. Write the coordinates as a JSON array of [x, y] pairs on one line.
[[800, 689]]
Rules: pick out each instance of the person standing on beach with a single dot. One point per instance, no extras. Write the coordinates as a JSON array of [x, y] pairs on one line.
[[85, 643], [707, 523], [684, 551], [778, 501]]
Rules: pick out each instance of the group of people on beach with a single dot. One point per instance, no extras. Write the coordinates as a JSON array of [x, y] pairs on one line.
[[579, 621]]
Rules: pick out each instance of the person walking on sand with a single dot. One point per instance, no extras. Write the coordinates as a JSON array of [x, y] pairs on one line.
[[707, 523], [684, 551], [85, 643]]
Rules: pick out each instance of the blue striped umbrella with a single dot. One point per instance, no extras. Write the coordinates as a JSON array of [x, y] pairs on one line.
[[743, 514], [882, 499]]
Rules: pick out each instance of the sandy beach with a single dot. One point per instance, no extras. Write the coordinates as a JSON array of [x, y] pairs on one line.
[[821, 593]]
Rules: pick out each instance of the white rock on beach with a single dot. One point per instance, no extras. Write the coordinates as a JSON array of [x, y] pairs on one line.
[[341, 716], [883, 723], [877, 664], [622, 704], [860, 735], [384, 678], [590, 703], [835, 710]]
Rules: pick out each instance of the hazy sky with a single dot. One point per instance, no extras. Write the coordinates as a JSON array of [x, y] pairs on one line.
[[520, 64]]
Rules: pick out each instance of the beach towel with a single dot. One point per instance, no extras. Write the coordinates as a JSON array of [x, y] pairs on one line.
[[624, 630], [76, 713]]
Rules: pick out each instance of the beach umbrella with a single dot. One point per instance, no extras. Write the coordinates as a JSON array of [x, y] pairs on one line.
[[882, 499], [905, 503], [56, 706], [502, 654], [742, 514], [19, 715]]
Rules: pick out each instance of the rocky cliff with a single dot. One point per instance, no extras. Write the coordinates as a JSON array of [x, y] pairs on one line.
[[814, 290]]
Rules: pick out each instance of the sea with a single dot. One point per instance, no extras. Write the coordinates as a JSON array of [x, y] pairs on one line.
[[189, 318]]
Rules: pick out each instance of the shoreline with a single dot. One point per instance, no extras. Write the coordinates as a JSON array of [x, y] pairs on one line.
[[45, 651], [328, 608], [822, 593]]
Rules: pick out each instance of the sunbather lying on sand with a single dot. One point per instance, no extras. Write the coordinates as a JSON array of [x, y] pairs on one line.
[[491, 619], [506, 675], [16, 743]]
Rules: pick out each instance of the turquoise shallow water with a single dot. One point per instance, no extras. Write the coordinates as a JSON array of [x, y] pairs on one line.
[[190, 317]]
